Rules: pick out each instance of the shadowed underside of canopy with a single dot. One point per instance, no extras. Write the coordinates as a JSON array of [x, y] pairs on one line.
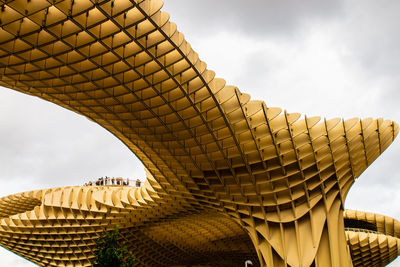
[[280, 177], [60, 226]]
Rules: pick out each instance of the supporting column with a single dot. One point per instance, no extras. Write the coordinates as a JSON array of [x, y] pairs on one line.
[[315, 239]]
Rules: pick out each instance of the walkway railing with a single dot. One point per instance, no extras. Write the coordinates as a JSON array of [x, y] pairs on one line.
[[361, 230], [114, 181]]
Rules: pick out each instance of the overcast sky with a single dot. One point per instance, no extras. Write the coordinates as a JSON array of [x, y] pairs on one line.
[[326, 58]]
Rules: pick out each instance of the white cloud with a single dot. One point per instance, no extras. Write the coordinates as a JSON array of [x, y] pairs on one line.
[[9, 259]]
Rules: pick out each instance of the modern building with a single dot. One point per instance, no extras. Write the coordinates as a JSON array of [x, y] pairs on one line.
[[228, 178]]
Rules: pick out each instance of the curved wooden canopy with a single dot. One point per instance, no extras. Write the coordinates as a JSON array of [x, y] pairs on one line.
[[373, 248], [281, 176]]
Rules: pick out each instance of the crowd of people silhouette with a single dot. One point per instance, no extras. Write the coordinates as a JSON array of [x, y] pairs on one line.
[[113, 181]]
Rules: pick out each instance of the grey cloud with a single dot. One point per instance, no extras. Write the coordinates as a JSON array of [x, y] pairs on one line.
[[53, 147], [255, 17], [371, 30]]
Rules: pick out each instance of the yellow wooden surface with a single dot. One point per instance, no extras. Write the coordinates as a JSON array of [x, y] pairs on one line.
[[212, 155]]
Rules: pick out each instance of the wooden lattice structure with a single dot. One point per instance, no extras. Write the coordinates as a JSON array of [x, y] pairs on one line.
[[229, 178]]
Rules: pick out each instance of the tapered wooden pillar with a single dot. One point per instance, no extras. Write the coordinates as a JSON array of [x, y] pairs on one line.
[[315, 239]]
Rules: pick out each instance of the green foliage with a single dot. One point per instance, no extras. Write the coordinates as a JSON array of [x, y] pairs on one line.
[[110, 254]]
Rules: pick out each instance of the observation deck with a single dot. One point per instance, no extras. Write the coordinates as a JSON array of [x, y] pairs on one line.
[[114, 181]]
